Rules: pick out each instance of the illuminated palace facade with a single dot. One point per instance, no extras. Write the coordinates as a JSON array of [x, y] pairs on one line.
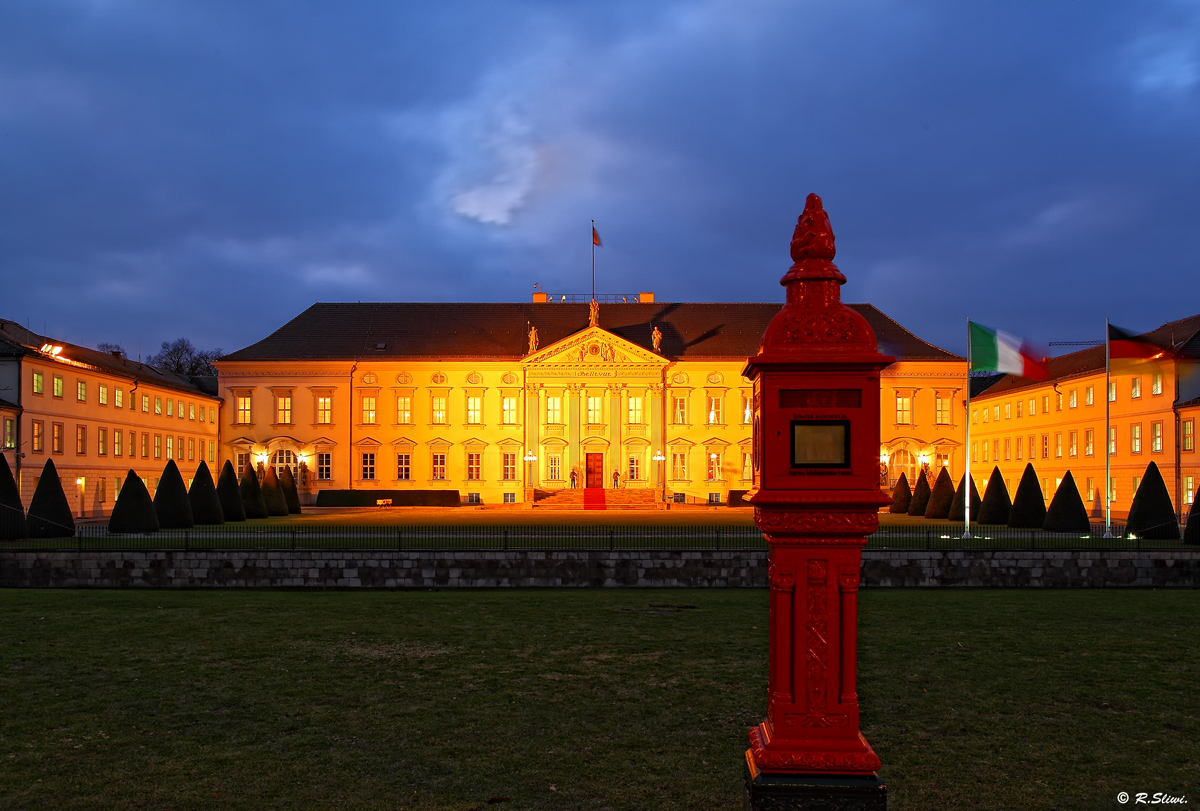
[[98, 415], [504, 402], [1058, 424]]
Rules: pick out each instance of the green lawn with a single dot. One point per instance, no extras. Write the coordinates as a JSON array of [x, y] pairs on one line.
[[588, 699]]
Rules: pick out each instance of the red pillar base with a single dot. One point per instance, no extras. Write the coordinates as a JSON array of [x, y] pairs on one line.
[[792, 792]]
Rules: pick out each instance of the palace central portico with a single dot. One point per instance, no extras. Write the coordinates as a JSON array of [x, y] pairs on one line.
[[503, 402]]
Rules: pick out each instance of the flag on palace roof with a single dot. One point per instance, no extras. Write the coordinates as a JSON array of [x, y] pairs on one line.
[[993, 350], [596, 237], [1125, 344]]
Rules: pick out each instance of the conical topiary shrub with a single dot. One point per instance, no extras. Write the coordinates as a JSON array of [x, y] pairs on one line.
[[901, 496], [1192, 533], [272, 494], [49, 513], [290, 494], [959, 505], [227, 491], [1029, 506], [941, 497], [251, 494], [996, 504], [171, 500], [12, 512], [134, 510], [920, 496], [1151, 515], [1066, 512], [206, 506]]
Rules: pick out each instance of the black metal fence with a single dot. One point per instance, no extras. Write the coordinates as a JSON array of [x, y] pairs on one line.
[[253, 535]]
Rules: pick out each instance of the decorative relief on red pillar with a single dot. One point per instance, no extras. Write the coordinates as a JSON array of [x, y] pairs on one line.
[[818, 647]]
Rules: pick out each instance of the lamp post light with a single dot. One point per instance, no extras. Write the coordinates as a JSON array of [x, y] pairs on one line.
[[659, 458], [529, 458]]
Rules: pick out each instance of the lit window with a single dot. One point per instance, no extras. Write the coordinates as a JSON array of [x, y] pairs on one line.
[[145, 403], [325, 410], [679, 410], [1112, 392], [508, 410], [995, 413], [1032, 407], [1058, 401], [1112, 441], [635, 468], [1112, 490], [1089, 395], [158, 405], [212, 414], [986, 414], [996, 450], [975, 417], [974, 451], [510, 498], [1008, 411], [283, 409], [714, 466], [1018, 443], [1072, 399], [212, 450], [1073, 444], [102, 441], [324, 466], [679, 467], [191, 449], [1032, 448], [554, 468], [439, 466], [473, 465], [56, 437], [192, 411], [81, 440], [747, 470], [1135, 388], [554, 411], [146, 447], [39, 383], [1156, 437], [714, 411], [10, 433], [635, 410], [903, 409], [1007, 449], [101, 490], [745, 409], [103, 395], [81, 391], [1058, 446], [368, 465], [1091, 490], [438, 410], [1089, 438], [1020, 407], [1137, 482], [594, 411], [39, 436], [170, 407], [1135, 438], [510, 467], [1045, 446], [1156, 383], [985, 451], [1189, 435], [170, 446], [243, 409], [1045, 403], [368, 409], [1189, 489], [404, 409], [180, 412], [403, 466], [158, 446], [474, 410], [58, 386]]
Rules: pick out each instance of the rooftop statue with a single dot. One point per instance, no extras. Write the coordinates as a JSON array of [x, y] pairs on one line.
[[594, 314], [813, 237], [656, 339], [533, 340]]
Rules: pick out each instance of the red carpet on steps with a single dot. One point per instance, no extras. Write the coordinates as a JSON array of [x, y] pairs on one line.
[[593, 498]]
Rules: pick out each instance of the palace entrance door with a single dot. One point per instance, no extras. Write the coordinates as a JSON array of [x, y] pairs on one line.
[[595, 470]]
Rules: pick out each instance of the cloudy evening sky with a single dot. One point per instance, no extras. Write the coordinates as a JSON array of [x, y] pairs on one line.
[[211, 168]]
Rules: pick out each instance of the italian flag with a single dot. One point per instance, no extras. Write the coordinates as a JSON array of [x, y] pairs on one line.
[[993, 350]]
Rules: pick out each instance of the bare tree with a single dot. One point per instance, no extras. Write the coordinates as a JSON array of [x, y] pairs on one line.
[[181, 357], [112, 349]]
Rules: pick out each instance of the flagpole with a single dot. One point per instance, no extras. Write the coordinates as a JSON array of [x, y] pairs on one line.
[[967, 447], [1107, 432], [593, 260]]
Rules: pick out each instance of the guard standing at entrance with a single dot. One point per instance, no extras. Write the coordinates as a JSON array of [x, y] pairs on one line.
[[616, 479], [574, 479]]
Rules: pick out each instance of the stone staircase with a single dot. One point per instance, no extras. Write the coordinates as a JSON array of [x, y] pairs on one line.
[[620, 499]]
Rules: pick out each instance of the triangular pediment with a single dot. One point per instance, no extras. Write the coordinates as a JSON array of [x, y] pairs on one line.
[[593, 348]]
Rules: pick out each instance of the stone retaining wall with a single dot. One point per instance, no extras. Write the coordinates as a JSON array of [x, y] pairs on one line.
[[601, 568]]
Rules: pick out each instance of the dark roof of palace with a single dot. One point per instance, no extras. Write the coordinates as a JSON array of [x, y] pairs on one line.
[[1181, 337], [17, 340], [327, 331]]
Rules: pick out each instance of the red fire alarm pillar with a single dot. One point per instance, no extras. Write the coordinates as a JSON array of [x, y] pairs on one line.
[[816, 498]]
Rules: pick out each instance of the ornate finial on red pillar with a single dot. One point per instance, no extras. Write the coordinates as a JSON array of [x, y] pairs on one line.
[[816, 498]]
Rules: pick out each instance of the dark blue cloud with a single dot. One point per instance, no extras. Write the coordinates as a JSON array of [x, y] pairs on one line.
[[211, 168]]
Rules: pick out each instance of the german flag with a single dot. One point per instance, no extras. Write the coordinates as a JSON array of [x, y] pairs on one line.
[[1123, 344]]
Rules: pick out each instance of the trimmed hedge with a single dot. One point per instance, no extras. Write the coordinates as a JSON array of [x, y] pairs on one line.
[[288, 482], [12, 512], [251, 494], [901, 496], [1151, 515], [958, 509], [49, 513], [1067, 512], [171, 500], [400, 498], [227, 492], [996, 504], [1028, 507], [1192, 533], [942, 496], [206, 505], [920, 496], [272, 493], [134, 510]]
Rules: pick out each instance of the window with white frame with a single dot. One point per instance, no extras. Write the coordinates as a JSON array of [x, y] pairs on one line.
[[103, 395], [1189, 435], [1008, 411], [1112, 391], [438, 463], [1112, 441], [747, 469], [554, 467], [1018, 444], [635, 467], [1073, 443], [509, 471], [714, 410], [283, 409], [1156, 383], [81, 391], [404, 409], [118, 398], [102, 441], [324, 409], [941, 407], [368, 409], [1156, 437], [1189, 489], [404, 466], [474, 465], [1135, 438], [904, 409], [437, 405], [679, 411], [1007, 449], [1073, 399], [1135, 388], [117, 442], [679, 465], [324, 466], [746, 400], [635, 410], [474, 410], [714, 466], [243, 409], [1045, 446], [58, 386], [1089, 438], [368, 465], [595, 415], [554, 410], [508, 410], [1058, 445], [1089, 396]]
